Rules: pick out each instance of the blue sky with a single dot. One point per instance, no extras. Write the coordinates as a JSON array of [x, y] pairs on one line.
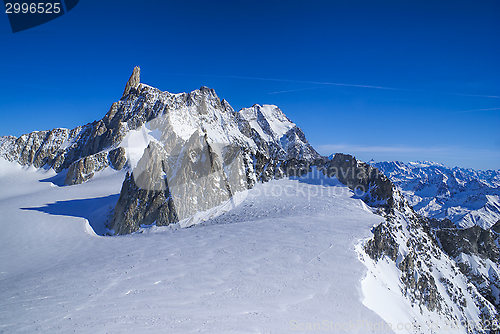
[[383, 80]]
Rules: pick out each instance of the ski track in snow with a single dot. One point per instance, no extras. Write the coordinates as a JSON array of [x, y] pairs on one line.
[[257, 268]]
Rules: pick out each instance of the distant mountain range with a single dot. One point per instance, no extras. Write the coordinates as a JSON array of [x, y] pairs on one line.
[[466, 197]]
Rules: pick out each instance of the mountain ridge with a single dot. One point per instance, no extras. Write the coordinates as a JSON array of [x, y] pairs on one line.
[[60, 148], [467, 197]]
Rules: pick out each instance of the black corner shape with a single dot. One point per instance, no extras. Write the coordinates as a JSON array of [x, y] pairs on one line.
[[26, 14], [70, 4]]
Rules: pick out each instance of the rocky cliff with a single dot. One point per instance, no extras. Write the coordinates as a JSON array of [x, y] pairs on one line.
[[366, 181]]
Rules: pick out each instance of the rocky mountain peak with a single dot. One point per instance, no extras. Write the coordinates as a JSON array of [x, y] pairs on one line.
[[207, 90], [133, 81]]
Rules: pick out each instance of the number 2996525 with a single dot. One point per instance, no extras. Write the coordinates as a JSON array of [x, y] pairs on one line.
[[33, 8]]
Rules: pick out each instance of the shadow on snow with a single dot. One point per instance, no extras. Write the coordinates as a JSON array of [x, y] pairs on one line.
[[96, 210], [57, 179]]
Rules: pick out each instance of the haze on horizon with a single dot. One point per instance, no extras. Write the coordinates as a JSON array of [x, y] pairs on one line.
[[383, 81]]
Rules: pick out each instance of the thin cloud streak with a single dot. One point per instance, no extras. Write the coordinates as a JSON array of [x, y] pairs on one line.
[[473, 95], [307, 82], [333, 84], [295, 90], [479, 110]]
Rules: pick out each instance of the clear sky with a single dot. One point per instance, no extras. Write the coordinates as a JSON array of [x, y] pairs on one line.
[[387, 80]]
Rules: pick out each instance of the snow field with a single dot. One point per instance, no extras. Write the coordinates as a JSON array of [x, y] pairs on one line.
[[271, 264]]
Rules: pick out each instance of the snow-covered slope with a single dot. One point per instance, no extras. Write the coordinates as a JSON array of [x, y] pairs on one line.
[[465, 196], [450, 283], [281, 257], [273, 264]]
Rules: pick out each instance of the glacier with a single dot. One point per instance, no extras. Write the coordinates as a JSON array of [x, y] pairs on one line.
[[267, 265]]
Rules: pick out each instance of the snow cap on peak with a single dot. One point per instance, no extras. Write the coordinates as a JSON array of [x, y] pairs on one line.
[[425, 163], [208, 91], [133, 81]]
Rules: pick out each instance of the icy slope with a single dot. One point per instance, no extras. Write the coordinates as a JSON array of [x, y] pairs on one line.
[[272, 264], [465, 196]]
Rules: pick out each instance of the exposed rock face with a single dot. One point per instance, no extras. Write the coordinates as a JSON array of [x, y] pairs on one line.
[[197, 180], [472, 241], [382, 243], [439, 224], [274, 134], [366, 181], [117, 158], [209, 150], [496, 227], [133, 81], [418, 285], [402, 239], [84, 168], [60, 148], [477, 255], [201, 178], [37, 148], [152, 204]]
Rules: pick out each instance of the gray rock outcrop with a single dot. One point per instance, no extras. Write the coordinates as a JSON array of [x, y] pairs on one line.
[[150, 204], [117, 158], [366, 181], [472, 241], [133, 81], [83, 169], [382, 244]]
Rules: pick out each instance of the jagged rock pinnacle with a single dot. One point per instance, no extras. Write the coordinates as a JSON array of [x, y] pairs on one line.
[[133, 81]]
